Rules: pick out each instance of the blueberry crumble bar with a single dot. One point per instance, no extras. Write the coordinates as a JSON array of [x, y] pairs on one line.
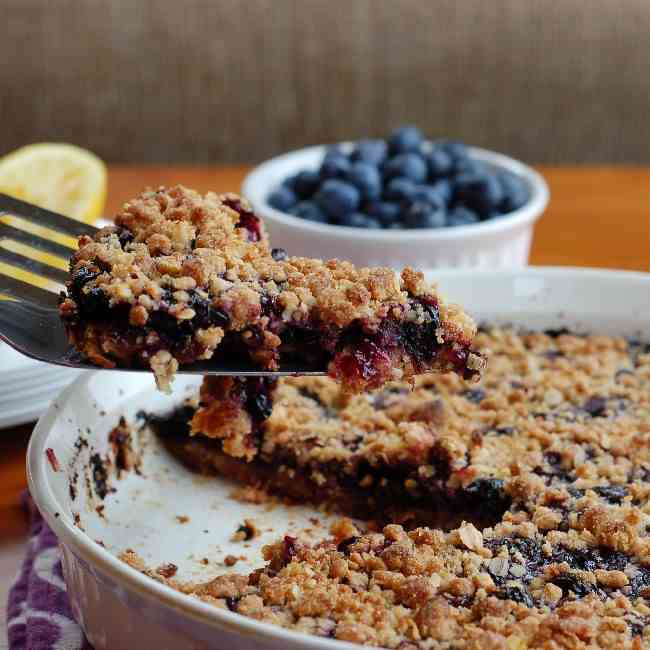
[[555, 440], [181, 277], [554, 406]]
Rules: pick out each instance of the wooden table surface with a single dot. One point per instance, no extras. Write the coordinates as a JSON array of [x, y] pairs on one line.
[[598, 216]]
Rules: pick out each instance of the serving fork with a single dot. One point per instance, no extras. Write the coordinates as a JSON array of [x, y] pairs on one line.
[[29, 317]]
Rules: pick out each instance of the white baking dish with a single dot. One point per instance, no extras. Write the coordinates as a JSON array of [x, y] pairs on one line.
[[120, 608]]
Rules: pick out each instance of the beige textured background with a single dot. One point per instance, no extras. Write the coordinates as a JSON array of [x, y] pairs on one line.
[[229, 81]]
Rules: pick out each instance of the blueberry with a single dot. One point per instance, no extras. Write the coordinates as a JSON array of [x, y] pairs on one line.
[[385, 211], [407, 165], [94, 302], [515, 192], [370, 151], [366, 179], [487, 491], [279, 254], [337, 198], [460, 156], [518, 594], [424, 215], [479, 192], [305, 183], [334, 166], [428, 194], [596, 407], [457, 150], [570, 583], [290, 182], [462, 216], [399, 189], [475, 395], [359, 220], [335, 150], [444, 188], [344, 545], [612, 493], [469, 166], [440, 163], [404, 139], [309, 211], [282, 198]]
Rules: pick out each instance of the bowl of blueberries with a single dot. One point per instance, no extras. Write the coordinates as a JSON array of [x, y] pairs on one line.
[[403, 200]]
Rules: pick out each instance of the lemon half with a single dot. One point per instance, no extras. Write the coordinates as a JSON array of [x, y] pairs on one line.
[[60, 177]]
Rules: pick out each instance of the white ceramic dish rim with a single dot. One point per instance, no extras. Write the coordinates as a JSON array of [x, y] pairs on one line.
[[255, 189], [98, 557]]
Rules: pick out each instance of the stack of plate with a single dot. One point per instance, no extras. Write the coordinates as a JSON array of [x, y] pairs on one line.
[[27, 387]]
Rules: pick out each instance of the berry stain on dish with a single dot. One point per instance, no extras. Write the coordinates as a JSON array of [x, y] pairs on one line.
[[403, 182]]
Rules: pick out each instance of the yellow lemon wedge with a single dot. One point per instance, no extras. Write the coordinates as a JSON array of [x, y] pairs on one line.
[[61, 177]]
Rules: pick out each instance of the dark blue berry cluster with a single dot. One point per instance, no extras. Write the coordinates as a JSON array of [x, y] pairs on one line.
[[400, 183]]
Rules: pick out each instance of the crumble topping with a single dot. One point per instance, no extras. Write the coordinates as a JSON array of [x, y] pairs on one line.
[[511, 586], [181, 276], [554, 443], [562, 411]]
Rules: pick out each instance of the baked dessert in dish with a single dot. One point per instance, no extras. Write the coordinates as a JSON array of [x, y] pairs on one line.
[[511, 586], [563, 409], [556, 439], [181, 277]]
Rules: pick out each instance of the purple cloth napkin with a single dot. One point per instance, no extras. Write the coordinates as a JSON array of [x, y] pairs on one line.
[[38, 610]]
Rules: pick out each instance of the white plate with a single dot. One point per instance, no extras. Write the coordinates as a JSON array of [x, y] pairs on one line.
[[27, 387], [140, 514], [42, 375], [31, 404], [12, 361]]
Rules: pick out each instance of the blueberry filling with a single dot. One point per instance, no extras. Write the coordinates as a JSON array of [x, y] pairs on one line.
[[125, 236], [279, 254], [580, 559], [247, 219], [488, 494], [595, 406], [345, 544], [612, 493], [206, 314], [371, 354], [475, 395], [557, 332], [572, 584], [515, 593], [288, 548], [93, 303], [636, 624], [256, 397]]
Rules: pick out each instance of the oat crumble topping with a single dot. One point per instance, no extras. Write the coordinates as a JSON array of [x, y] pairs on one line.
[[182, 276], [555, 441]]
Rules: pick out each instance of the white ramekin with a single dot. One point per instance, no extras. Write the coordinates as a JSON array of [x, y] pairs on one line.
[[499, 243]]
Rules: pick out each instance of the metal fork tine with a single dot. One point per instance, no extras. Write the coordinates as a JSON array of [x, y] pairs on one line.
[[42, 217], [35, 241], [24, 291], [33, 266]]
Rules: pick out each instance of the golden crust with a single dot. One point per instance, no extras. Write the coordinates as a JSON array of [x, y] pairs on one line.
[[559, 424], [173, 252]]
